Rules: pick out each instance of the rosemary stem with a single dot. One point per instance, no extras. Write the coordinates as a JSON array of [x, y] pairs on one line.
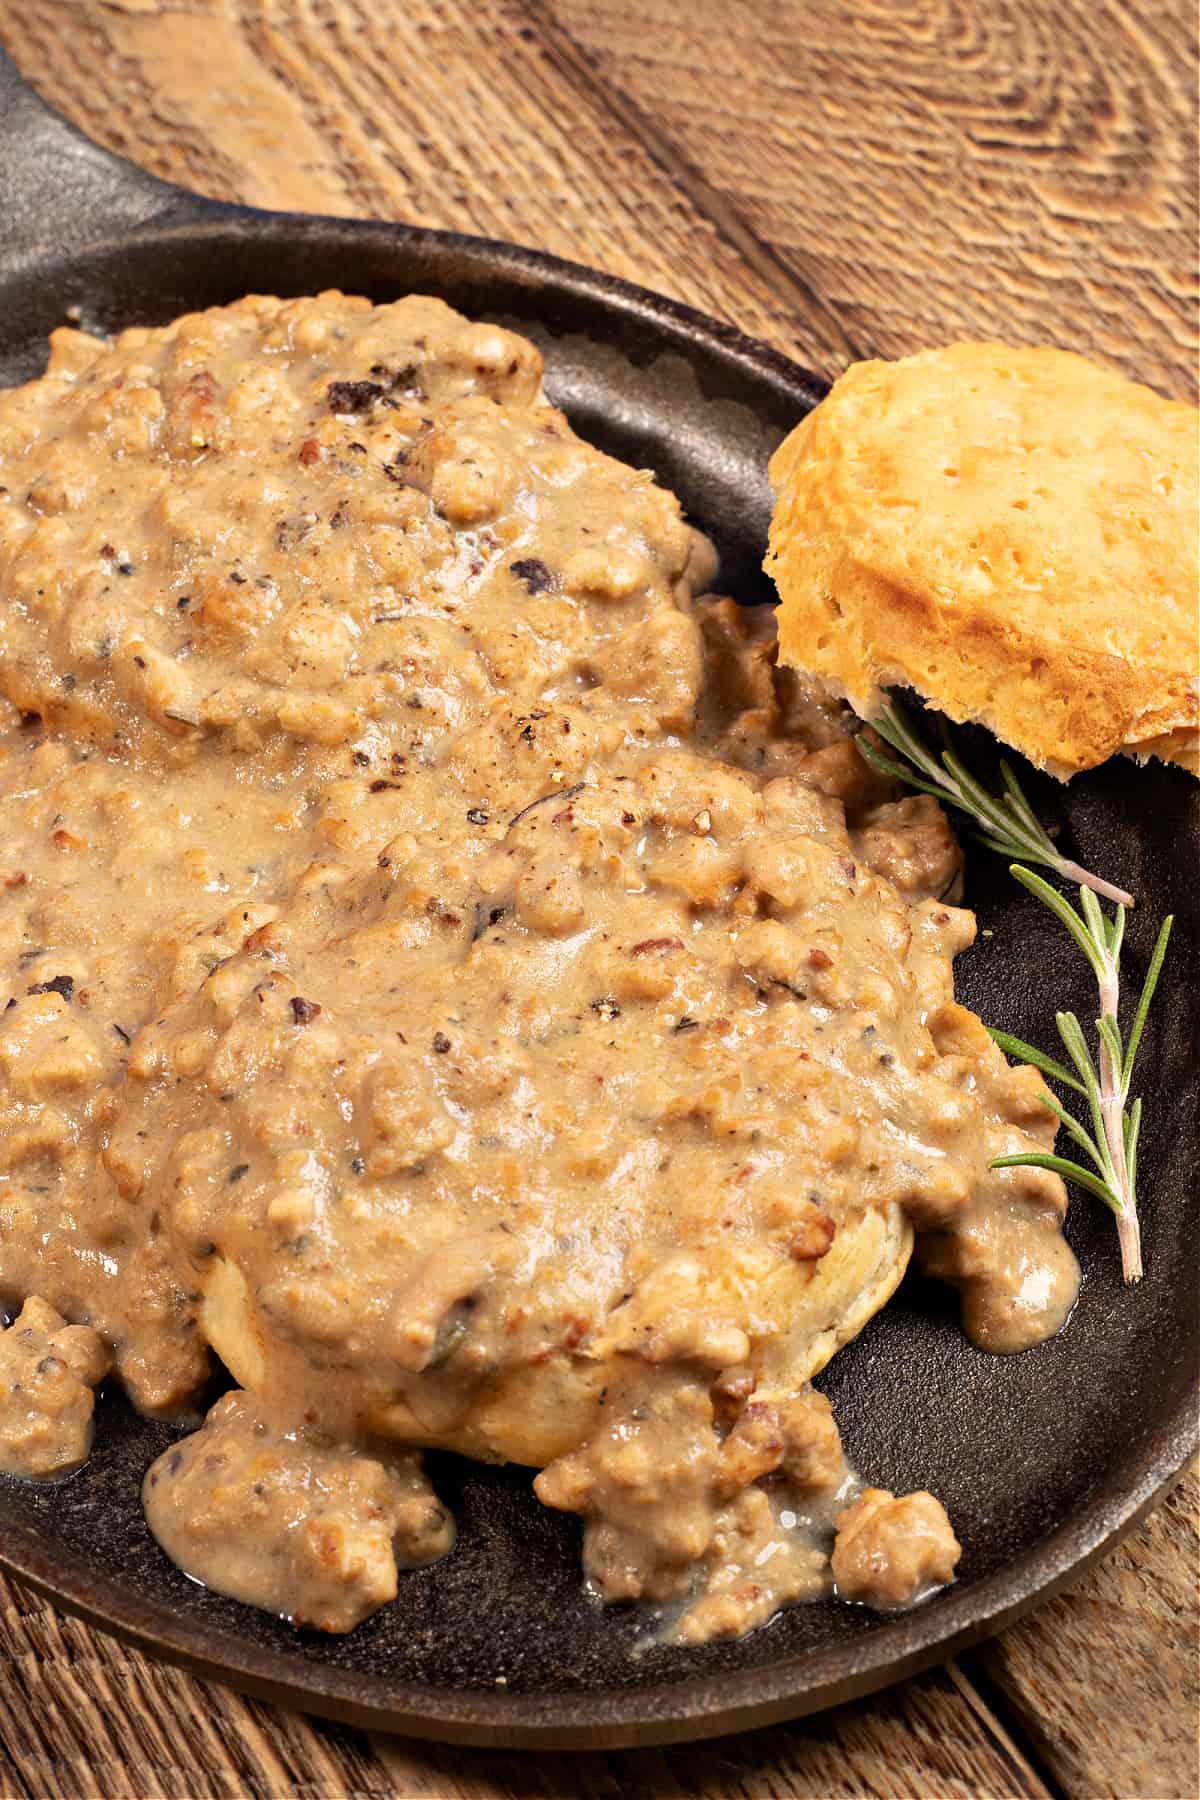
[[1111, 1111], [1073, 871], [1129, 1236]]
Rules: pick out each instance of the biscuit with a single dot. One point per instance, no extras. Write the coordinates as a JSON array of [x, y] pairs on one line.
[[530, 1415], [1010, 532]]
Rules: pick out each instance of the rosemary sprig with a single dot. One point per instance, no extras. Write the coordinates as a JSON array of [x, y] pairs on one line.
[[1006, 824], [1112, 1143]]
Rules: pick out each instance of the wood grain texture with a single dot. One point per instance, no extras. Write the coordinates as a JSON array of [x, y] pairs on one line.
[[1105, 1677], [840, 177], [940, 168]]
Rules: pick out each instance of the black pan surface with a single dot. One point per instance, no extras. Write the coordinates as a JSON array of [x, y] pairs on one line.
[[1043, 1460]]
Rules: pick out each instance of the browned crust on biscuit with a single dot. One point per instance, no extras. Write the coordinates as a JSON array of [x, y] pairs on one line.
[[1093, 706], [869, 603]]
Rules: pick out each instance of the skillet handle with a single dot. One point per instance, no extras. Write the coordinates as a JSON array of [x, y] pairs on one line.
[[57, 188]]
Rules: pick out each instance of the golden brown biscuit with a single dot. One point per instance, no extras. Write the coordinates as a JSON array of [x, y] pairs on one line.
[[1010, 532]]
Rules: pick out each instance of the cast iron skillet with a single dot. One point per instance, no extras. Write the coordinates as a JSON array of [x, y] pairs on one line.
[[1043, 1460]]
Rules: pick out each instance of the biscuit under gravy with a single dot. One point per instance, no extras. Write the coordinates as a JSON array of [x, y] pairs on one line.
[[1010, 532]]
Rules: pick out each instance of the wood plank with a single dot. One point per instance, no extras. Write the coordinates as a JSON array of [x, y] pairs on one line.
[[1022, 170], [1105, 1678]]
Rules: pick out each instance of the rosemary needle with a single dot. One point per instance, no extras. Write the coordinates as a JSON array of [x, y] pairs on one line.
[[1006, 823]]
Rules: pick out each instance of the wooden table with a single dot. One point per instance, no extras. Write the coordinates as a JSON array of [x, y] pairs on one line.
[[842, 178]]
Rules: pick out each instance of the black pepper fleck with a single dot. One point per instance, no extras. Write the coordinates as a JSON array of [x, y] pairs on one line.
[[62, 984], [352, 396], [534, 573]]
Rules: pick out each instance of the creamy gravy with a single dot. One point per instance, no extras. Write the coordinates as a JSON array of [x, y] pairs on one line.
[[447, 970]]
